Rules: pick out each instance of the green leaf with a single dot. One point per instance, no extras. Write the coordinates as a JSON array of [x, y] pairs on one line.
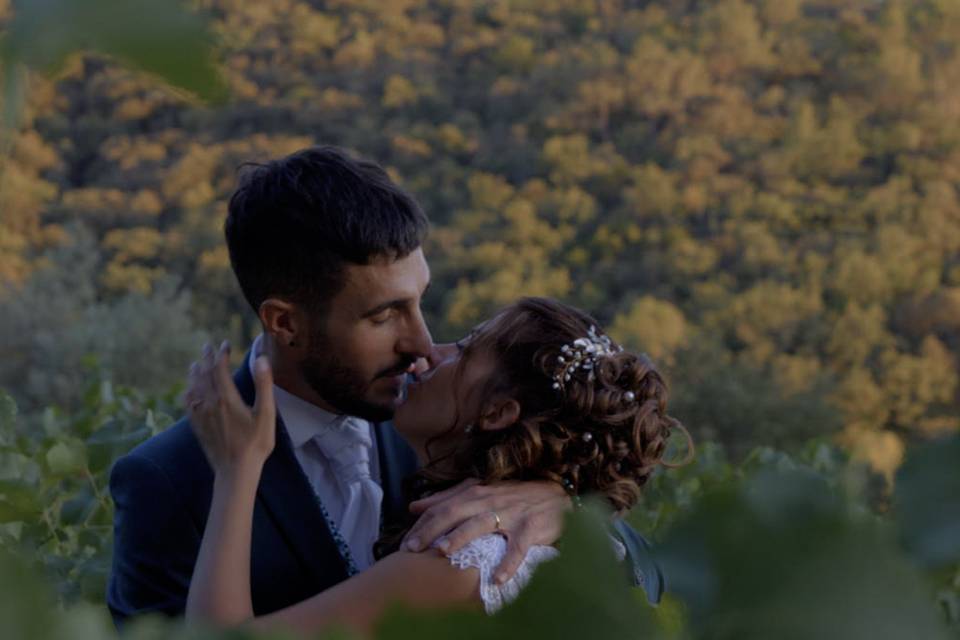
[[94, 574], [90, 538], [66, 457], [18, 466], [582, 594], [78, 508], [86, 621], [8, 419], [51, 423], [106, 393], [19, 502], [927, 502], [14, 99], [112, 440], [26, 607], [783, 557], [159, 37]]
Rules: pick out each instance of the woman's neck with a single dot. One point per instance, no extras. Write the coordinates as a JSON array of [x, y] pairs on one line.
[[435, 453]]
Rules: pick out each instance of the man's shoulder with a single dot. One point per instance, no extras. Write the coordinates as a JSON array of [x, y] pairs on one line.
[[174, 451]]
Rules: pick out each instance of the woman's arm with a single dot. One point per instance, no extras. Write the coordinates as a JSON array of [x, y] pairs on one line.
[[418, 580], [235, 441], [220, 586]]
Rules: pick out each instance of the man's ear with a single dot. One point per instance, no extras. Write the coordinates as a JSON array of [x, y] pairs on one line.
[[283, 321], [499, 413]]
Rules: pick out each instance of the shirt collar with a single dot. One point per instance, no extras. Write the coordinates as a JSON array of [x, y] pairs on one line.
[[303, 420]]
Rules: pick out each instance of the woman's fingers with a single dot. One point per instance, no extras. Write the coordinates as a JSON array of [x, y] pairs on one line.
[[450, 513], [198, 385], [206, 388], [206, 359], [189, 394], [475, 527], [228, 429], [264, 408], [419, 506], [223, 382], [420, 533], [220, 370], [518, 543], [191, 398]]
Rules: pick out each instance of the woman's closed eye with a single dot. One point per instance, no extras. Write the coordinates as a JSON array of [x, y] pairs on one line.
[[465, 340]]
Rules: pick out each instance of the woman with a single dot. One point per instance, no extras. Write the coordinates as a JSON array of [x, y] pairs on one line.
[[535, 393]]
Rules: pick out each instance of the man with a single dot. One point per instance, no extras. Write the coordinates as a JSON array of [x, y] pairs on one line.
[[327, 251]]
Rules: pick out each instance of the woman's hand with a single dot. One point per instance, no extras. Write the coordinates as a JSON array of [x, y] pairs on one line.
[[230, 433], [526, 513]]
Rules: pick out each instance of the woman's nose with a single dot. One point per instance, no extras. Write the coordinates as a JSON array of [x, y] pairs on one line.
[[441, 353]]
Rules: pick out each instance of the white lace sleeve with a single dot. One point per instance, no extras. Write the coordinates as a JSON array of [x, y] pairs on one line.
[[485, 554]]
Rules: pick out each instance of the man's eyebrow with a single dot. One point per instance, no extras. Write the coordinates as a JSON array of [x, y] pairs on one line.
[[396, 303]]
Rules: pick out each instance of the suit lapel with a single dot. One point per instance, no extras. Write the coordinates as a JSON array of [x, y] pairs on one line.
[[286, 494], [397, 462]]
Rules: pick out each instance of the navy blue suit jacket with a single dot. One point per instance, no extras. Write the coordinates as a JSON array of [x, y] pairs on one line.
[[162, 490]]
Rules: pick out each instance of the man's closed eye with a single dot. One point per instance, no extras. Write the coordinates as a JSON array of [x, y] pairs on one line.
[[383, 317]]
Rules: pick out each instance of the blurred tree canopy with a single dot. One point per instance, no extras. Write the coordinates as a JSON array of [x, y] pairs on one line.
[[762, 194]]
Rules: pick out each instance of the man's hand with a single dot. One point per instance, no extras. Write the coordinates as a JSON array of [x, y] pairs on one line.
[[530, 513]]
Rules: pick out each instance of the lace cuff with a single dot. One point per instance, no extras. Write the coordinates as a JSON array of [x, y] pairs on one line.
[[486, 553]]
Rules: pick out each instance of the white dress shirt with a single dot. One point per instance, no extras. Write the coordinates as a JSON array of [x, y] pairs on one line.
[[303, 421]]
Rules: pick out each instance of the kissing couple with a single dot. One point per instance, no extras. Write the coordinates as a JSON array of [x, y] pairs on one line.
[[350, 462]]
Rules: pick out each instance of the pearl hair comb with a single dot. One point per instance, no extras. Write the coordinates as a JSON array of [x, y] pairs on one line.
[[582, 354]]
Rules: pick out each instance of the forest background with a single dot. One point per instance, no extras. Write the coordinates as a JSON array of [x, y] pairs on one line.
[[760, 194]]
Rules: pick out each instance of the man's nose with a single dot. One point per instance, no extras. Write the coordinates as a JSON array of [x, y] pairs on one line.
[[417, 342]]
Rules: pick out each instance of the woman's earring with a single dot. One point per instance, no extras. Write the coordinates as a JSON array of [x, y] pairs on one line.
[[468, 429]]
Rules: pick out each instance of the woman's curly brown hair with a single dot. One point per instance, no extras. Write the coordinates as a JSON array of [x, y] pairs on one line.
[[590, 435]]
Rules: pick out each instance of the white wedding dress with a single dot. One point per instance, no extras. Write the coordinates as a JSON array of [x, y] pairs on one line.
[[486, 553]]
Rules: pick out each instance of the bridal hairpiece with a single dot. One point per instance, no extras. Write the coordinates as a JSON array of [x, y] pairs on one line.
[[582, 354]]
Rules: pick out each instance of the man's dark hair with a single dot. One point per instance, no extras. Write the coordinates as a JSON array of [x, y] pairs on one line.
[[294, 223]]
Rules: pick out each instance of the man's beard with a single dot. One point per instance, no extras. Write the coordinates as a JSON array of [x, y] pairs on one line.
[[342, 387]]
